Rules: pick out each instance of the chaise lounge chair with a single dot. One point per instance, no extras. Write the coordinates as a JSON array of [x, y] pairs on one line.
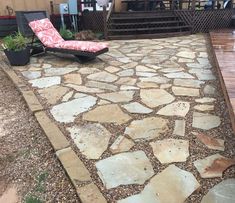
[[53, 42]]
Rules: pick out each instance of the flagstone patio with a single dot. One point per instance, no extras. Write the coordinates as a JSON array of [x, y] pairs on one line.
[[146, 118]]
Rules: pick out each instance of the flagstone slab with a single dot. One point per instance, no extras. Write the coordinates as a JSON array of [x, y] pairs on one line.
[[110, 113], [31, 74], [185, 91], [118, 169], [128, 87], [210, 142], [66, 112], [179, 75], [205, 121], [221, 193], [156, 79], [154, 59], [103, 102], [136, 107], [203, 54], [103, 77], [172, 185], [125, 73], [146, 196], [45, 82], [146, 74], [141, 68], [121, 96], [188, 83], [170, 150], [73, 78], [203, 74], [147, 85], [121, 144], [46, 65], [171, 70], [126, 81], [85, 89], [155, 97], [179, 128], [91, 139], [67, 96], [88, 70], [213, 166], [179, 108], [209, 90], [198, 65], [58, 71], [112, 69], [53, 94], [205, 100], [101, 85], [184, 60], [186, 54], [130, 65], [147, 128], [204, 107]]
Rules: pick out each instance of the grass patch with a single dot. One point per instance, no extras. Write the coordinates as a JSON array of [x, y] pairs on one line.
[[32, 199]]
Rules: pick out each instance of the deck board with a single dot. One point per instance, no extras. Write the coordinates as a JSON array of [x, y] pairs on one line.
[[223, 45]]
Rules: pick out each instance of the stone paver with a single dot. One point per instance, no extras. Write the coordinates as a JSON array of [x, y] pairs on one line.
[[213, 166], [155, 97], [45, 82], [136, 107], [210, 142], [118, 169], [67, 112], [147, 129], [91, 139], [171, 150], [205, 121], [171, 185], [107, 114], [179, 108], [179, 128], [121, 144], [222, 192]]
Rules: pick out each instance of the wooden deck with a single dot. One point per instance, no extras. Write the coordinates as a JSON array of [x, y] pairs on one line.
[[223, 44]]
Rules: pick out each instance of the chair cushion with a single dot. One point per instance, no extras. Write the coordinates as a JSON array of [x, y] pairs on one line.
[[46, 32], [50, 37], [81, 45]]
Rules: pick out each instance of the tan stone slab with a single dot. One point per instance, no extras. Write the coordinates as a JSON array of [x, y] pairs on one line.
[[90, 194], [53, 133], [74, 167], [12, 75], [32, 101]]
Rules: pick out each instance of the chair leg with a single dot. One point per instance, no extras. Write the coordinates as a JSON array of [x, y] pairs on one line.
[[84, 59]]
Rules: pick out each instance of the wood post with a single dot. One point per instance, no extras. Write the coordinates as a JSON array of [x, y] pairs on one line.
[[193, 4], [105, 22]]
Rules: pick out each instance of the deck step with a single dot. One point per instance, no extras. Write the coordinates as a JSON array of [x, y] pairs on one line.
[[148, 36], [148, 29], [142, 17], [146, 23]]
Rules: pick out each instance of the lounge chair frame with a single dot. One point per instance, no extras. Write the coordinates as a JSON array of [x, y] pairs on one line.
[[80, 56]]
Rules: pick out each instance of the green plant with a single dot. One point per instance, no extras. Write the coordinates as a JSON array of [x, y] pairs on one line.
[[15, 42], [66, 34], [32, 199], [41, 178]]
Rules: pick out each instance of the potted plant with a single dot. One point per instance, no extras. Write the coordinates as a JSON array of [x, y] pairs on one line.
[[16, 49]]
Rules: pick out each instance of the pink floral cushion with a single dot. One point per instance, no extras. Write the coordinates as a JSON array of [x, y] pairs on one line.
[[46, 32], [81, 45], [50, 37]]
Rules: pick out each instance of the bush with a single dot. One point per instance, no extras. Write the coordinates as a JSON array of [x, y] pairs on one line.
[[66, 34], [15, 42]]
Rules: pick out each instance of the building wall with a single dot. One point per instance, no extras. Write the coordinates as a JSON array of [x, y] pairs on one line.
[[28, 5]]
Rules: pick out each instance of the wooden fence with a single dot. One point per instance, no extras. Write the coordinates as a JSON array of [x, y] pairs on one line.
[[8, 7]]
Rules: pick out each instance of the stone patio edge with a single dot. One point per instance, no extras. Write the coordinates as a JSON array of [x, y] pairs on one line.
[[78, 174]]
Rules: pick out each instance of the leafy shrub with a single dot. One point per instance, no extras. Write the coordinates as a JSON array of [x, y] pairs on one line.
[[15, 42], [66, 34]]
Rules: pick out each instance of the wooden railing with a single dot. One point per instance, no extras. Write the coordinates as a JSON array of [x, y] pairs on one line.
[[111, 9]]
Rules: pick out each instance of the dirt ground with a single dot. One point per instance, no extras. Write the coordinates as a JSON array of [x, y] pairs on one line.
[[27, 161]]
